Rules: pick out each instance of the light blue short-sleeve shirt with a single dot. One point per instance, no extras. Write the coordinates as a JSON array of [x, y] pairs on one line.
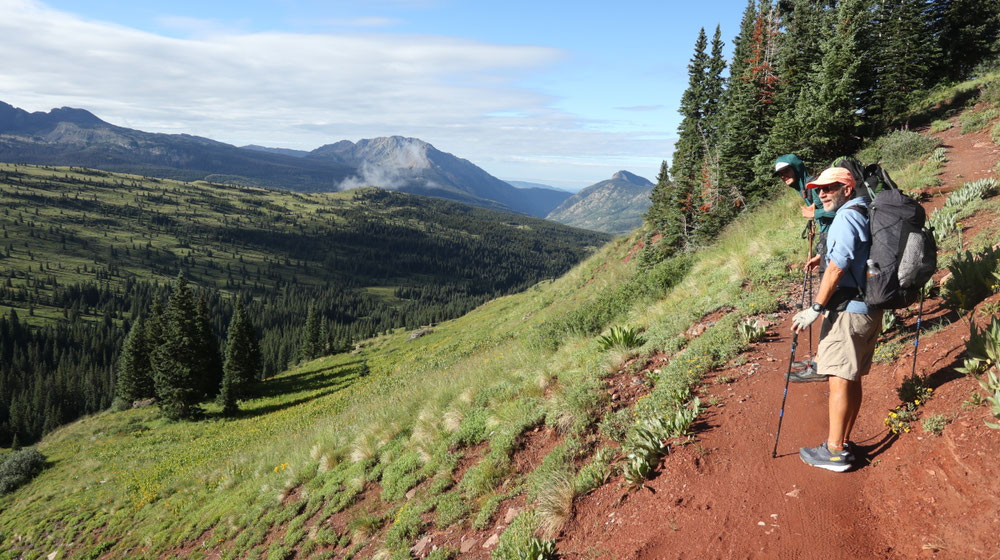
[[848, 245]]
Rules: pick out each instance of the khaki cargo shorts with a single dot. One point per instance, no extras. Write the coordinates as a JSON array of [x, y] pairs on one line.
[[847, 345]]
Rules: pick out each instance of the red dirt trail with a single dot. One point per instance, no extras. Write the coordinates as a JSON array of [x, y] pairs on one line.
[[917, 495]]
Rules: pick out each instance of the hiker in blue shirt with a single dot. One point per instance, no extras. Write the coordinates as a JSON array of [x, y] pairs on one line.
[[849, 329]]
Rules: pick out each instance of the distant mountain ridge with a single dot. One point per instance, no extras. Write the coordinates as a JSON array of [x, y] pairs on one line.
[[68, 136], [612, 206]]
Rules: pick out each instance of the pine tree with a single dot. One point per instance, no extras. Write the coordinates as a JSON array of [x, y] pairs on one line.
[[175, 359], [716, 208], [208, 371], [799, 53], [834, 118], [134, 373], [689, 152], [902, 51], [309, 348], [243, 361], [750, 97], [967, 33]]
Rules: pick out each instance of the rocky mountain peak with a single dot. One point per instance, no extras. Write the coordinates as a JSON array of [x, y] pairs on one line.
[[629, 178]]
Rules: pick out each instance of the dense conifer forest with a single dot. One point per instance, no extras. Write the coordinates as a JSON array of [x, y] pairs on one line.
[[812, 77], [85, 253]]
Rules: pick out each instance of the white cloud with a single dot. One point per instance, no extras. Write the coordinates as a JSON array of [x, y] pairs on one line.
[[299, 90]]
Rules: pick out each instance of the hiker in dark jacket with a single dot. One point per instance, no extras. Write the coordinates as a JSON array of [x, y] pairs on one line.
[[792, 171], [850, 328]]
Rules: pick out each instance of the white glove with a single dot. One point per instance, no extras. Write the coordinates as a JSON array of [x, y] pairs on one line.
[[804, 318]]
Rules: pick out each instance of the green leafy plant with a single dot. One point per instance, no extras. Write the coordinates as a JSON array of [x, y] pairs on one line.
[[596, 473], [991, 384], [935, 423], [944, 220], [889, 320], [982, 348], [537, 549], [972, 278], [645, 443], [621, 337], [615, 424], [751, 330]]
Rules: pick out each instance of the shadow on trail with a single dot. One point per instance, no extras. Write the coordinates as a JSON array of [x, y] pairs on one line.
[[867, 451]]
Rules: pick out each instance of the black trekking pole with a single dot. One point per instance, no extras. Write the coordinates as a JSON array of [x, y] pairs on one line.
[[781, 414], [916, 341], [812, 236]]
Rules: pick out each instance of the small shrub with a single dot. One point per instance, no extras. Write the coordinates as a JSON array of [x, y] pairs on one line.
[[405, 528], [995, 134], [751, 330], [450, 508], [400, 475], [443, 553], [941, 126], [615, 424], [899, 418], [19, 467], [888, 352], [974, 121], [914, 390], [990, 92], [897, 149], [621, 337], [935, 424]]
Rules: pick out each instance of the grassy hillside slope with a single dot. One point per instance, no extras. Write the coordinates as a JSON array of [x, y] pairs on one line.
[[359, 454]]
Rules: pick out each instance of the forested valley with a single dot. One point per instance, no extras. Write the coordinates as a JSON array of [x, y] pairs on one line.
[[85, 253]]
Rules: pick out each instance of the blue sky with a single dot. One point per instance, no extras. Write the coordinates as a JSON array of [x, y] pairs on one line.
[[563, 93]]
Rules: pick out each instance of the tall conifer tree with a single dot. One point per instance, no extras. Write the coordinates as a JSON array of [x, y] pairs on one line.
[[799, 53], [243, 361], [750, 95], [689, 152], [134, 372], [834, 119], [175, 360], [208, 372], [309, 348]]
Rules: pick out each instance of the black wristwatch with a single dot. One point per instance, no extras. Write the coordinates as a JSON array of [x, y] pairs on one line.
[[817, 307]]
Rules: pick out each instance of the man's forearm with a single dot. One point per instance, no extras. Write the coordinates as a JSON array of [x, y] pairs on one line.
[[828, 284]]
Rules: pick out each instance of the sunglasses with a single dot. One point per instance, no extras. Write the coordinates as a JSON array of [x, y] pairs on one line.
[[830, 188]]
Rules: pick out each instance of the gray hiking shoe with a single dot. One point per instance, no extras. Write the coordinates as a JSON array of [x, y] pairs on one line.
[[820, 456], [804, 372]]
